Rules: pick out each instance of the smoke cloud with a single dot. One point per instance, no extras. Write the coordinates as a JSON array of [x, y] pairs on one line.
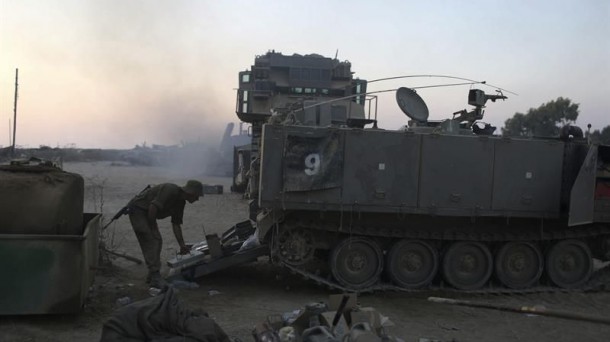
[[119, 73]]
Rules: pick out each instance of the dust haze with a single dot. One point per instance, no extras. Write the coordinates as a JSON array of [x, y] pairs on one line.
[[140, 78], [155, 73]]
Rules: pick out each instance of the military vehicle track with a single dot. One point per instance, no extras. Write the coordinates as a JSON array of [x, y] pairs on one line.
[[302, 235], [598, 282]]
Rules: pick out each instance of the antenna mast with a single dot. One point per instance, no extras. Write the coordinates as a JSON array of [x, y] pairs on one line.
[[15, 109]]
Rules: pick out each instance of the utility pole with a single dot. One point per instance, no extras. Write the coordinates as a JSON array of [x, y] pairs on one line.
[[15, 109]]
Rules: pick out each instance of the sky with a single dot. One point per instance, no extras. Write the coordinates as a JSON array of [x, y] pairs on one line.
[[118, 73]]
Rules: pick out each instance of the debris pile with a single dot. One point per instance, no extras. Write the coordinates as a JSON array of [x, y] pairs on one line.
[[342, 319]]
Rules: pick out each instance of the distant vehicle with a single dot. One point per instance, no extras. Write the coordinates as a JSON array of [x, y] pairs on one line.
[[436, 200], [241, 167], [278, 84], [220, 160]]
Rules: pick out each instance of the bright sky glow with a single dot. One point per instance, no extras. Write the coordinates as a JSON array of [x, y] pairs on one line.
[[117, 73]]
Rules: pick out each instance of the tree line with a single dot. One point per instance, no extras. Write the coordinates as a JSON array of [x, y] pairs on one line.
[[548, 120]]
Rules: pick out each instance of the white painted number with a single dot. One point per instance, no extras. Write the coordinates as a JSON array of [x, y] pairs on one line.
[[312, 164]]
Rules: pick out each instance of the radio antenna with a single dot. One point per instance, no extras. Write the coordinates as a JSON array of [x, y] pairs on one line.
[[389, 90], [15, 110], [441, 76]]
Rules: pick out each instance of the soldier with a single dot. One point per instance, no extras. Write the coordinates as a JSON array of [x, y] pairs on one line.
[[158, 202]]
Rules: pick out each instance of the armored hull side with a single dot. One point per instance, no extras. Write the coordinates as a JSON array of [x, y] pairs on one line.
[[377, 171]]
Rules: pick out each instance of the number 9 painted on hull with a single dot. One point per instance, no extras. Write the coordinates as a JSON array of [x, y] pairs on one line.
[[312, 164]]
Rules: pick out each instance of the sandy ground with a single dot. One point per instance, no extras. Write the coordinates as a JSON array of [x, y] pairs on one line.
[[240, 297]]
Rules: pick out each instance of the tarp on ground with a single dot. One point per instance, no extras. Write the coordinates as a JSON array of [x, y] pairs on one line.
[[162, 318]]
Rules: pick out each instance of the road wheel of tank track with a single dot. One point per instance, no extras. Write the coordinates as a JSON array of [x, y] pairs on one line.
[[600, 247], [412, 263], [467, 265], [569, 263], [519, 264], [295, 246], [356, 263]]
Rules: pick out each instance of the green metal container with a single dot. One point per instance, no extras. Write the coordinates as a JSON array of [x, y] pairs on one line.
[[40, 199], [48, 274]]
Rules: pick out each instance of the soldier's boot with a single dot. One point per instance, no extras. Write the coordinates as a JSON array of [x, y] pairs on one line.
[[156, 280]]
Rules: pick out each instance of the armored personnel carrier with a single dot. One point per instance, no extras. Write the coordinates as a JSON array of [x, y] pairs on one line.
[[435, 202]]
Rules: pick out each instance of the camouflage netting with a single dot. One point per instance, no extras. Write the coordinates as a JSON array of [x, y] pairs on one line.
[[40, 200]]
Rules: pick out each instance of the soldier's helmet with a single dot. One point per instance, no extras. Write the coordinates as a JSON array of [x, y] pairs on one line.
[[193, 187]]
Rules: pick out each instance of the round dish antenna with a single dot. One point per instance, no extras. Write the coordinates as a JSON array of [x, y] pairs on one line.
[[412, 104]]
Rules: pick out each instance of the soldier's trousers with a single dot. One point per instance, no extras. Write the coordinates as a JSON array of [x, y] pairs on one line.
[[150, 240]]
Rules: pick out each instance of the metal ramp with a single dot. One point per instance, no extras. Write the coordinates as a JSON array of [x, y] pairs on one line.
[[217, 253]]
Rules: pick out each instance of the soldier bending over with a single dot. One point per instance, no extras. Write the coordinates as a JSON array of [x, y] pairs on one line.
[[158, 202]]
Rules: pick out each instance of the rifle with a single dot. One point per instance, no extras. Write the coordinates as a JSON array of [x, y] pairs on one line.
[[123, 211]]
